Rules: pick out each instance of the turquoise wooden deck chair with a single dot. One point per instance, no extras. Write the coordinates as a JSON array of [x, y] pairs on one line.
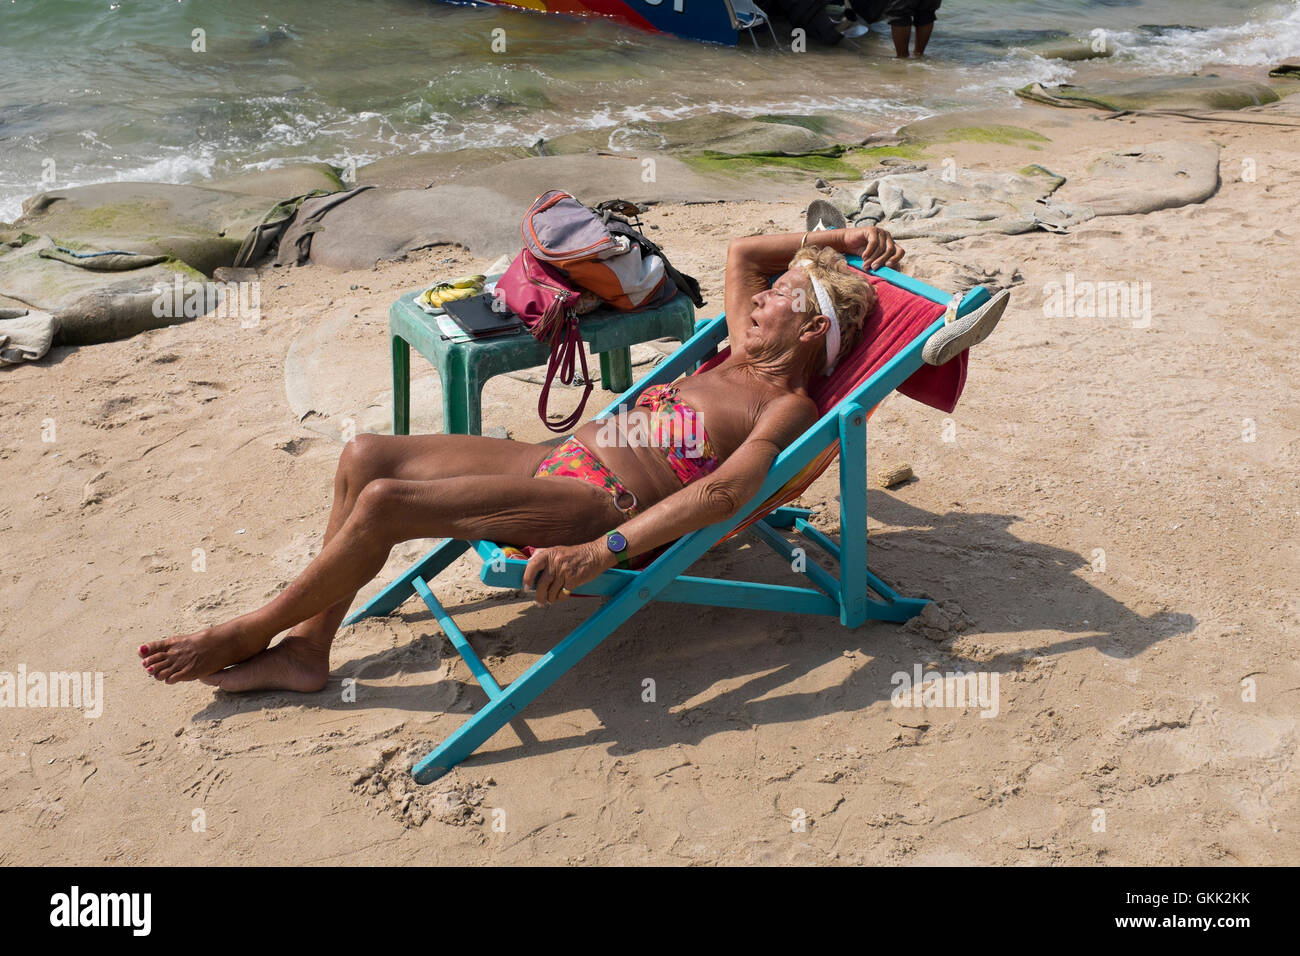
[[847, 597]]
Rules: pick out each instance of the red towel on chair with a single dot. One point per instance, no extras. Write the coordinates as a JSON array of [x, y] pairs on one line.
[[898, 318]]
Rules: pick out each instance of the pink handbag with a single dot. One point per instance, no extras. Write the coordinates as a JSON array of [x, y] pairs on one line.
[[547, 303], [574, 259]]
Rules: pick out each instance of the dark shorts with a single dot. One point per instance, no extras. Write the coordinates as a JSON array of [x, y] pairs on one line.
[[898, 13]]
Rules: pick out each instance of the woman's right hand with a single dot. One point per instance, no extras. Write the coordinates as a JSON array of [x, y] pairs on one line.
[[875, 246]]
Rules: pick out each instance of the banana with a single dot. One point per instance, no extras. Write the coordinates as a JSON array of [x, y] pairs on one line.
[[453, 291], [455, 294]]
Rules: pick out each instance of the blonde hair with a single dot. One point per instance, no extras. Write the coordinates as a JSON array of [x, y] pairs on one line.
[[850, 292]]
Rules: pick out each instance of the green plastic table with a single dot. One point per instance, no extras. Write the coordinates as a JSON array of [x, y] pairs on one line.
[[465, 366]]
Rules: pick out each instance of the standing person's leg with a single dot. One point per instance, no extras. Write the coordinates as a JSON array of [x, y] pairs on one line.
[[901, 35], [899, 15], [923, 19], [922, 38]]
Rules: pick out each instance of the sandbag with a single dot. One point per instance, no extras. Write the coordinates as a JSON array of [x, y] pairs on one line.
[[1203, 92], [91, 305]]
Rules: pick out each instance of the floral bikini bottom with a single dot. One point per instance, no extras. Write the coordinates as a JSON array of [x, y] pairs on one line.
[[573, 459], [674, 426]]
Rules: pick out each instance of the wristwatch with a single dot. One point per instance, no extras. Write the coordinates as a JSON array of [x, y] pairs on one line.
[[617, 545]]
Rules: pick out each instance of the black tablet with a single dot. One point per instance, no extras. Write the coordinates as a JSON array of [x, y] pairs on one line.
[[477, 317]]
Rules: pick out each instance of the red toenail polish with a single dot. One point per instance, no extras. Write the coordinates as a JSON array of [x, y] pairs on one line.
[[144, 649]]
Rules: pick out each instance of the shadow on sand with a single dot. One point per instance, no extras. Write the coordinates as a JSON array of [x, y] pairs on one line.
[[1001, 585]]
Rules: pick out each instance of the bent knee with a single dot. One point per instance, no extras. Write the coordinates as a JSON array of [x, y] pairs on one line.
[[382, 498], [363, 459]]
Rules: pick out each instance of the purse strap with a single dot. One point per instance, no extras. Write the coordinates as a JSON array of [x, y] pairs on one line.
[[619, 226], [562, 361]]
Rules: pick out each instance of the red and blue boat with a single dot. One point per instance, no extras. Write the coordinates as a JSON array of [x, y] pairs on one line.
[[713, 21]]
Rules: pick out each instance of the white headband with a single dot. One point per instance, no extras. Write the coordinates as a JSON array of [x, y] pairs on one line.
[[828, 310]]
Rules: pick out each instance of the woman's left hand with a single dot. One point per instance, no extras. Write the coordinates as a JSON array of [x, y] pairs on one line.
[[556, 571], [874, 245]]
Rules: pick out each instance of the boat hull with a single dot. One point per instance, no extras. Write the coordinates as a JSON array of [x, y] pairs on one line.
[[708, 20]]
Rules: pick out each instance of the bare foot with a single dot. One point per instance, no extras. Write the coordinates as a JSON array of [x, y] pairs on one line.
[[296, 663], [203, 652]]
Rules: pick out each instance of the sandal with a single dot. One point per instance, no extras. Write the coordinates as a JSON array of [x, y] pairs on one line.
[[822, 215]]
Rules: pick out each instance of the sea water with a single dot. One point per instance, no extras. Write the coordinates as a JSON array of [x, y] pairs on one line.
[[185, 90]]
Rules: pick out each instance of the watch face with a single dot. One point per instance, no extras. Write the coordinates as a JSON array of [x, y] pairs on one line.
[[616, 542]]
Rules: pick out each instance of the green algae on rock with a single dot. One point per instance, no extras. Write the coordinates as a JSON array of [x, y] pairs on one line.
[[296, 179], [824, 164]]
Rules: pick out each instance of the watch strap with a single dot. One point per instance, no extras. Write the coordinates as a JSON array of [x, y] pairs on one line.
[[620, 556]]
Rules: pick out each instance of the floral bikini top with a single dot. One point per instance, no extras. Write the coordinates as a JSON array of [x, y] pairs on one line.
[[677, 428]]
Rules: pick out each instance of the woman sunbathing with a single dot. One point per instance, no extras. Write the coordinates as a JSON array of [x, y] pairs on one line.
[[653, 477]]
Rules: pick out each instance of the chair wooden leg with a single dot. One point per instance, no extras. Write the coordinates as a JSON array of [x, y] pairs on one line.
[[523, 690]]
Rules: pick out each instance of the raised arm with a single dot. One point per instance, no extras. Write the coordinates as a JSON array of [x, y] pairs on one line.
[[711, 499], [752, 260]]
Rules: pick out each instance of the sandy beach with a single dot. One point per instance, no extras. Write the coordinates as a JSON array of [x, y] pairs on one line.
[[1108, 522]]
